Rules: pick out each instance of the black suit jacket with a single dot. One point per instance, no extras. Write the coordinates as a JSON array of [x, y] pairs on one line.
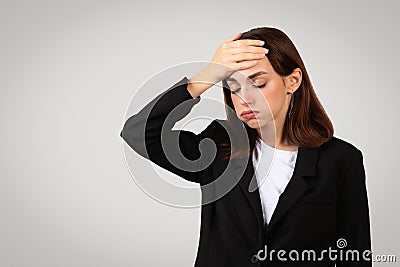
[[325, 200]]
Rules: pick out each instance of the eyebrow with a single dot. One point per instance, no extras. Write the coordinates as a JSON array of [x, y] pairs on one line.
[[252, 76]]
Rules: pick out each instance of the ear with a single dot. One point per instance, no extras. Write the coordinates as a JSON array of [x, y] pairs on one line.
[[293, 80]]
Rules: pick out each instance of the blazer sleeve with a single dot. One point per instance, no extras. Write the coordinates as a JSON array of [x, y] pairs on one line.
[[353, 223], [149, 132]]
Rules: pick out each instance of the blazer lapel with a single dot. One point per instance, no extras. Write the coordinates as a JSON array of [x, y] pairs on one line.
[[243, 169], [305, 166]]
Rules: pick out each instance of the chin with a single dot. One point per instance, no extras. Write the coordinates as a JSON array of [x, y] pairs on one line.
[[260, 123], [253, 123]]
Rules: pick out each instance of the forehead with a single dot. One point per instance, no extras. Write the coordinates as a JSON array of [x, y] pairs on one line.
[[262, 65]]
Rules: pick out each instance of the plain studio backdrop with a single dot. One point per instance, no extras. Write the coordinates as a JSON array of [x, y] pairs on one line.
[[69, 70]]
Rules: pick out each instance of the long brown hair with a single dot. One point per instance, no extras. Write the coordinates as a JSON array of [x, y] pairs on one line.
[[308, 124]]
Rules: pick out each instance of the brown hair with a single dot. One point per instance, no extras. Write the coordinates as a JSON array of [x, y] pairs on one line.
[[308, 125]]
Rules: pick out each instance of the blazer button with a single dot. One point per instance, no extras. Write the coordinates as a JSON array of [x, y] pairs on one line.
[[254, 258]]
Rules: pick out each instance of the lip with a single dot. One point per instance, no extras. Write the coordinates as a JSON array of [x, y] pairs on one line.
[[248, 112]]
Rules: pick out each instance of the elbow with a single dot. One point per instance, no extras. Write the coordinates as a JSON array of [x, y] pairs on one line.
[[134, 135]]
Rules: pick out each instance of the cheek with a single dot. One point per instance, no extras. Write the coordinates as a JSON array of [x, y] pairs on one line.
[[235, 101], [275, 96]]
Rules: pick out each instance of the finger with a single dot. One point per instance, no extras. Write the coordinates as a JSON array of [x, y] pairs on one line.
[[246, 42], [247, 49], [234, 37], [245, 56]]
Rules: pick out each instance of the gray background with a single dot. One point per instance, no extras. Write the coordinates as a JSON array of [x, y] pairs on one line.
[[68, 70]]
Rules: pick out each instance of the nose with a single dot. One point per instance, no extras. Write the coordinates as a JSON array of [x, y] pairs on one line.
[[247, 96]]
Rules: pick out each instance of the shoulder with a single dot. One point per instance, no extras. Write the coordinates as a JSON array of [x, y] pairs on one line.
[[339, 144], [339, 149]]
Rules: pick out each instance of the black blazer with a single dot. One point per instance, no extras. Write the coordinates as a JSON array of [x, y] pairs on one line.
[[325, 200]]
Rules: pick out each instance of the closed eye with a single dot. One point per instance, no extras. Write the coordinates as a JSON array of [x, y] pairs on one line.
[[237, 90], [261, 86]]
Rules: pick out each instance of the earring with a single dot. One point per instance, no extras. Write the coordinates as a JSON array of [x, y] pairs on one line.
[[291, 104]]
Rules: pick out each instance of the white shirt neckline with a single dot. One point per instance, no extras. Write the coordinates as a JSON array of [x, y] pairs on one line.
[[273, 172], [276, 149]]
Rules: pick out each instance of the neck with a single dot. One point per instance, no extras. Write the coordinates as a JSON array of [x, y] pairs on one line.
[[271, 134]]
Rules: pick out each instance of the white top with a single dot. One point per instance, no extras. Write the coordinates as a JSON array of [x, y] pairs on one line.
[[273, 172]]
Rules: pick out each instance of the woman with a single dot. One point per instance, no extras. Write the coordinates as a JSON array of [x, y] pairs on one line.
[[310, 201]]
